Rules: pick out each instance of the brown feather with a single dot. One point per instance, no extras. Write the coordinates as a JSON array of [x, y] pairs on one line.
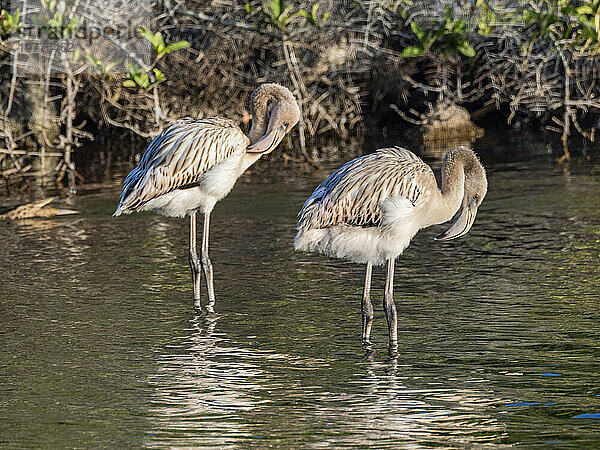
[[353, 194], [179, 156]]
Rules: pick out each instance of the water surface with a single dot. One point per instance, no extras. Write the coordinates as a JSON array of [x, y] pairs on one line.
[[499, 331]]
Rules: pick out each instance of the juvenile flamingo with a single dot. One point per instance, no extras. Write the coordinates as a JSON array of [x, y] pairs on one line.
[[193, 164], [369, 209]]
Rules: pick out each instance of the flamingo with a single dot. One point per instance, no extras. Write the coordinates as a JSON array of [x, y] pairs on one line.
[[193, 164], [368, 210]]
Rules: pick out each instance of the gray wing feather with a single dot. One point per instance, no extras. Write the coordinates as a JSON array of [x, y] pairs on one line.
[[179, 157], [353, 194]]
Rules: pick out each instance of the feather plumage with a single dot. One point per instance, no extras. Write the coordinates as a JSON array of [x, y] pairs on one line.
[[370, 208], [355, 193], [179, 157]]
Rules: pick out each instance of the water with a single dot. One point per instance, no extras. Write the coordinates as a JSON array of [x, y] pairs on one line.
[[499, 331]]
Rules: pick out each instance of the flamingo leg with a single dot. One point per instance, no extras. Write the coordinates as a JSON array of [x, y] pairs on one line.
[[194, 261], [389, 306], [367, 307], [207, 265]]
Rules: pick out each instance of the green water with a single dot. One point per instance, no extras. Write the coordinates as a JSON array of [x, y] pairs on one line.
[[499, 331]]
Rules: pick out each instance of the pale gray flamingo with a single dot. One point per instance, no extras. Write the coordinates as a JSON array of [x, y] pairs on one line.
[[193, 164], [369, 209]]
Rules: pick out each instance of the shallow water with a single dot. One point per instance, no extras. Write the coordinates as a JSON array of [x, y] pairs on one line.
[[499, 331]]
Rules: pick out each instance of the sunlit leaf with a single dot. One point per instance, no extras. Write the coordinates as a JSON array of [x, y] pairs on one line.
[[466, 49], [176, 46], [93, 61], [585, 9], [412, 51], [419, 32]]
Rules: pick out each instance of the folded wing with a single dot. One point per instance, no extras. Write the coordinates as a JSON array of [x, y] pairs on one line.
[[354, 194], [178, 158]]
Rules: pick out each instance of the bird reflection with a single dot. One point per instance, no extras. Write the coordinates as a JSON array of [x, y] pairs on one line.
[[206, 386], [199, 382], [210, 391], [392, 358], [398, 404], [204, 324]]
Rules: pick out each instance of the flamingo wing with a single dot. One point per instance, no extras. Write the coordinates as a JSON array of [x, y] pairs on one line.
[[353, 194], [179, 156]]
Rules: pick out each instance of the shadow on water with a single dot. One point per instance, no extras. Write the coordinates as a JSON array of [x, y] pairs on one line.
[[499, 332]]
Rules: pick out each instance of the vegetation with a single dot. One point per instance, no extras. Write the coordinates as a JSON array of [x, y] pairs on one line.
[[53, 23], [278, 14], [448, 37], [9, 23], [345, 61]]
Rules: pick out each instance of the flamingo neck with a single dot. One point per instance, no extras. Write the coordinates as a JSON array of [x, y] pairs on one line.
[[260, 120], [453, 188], [248, 159]]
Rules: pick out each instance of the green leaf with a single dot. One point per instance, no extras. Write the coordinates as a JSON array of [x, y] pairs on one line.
[[448, 13], [111, 66], [142, 80], [129, 83], [529, 16], [146, 33], [430, 38], [417, 30], [484, 29], [158, 75], [585, 9], [134, 69], [284, 15], [270, 18], [307, 16], [155, 39], [412, 51], [438, 33], [93, 61], [459, 26], [176, 46], [310, 18], [249, 8], [466, 49], [277, 8], [286, 18]]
